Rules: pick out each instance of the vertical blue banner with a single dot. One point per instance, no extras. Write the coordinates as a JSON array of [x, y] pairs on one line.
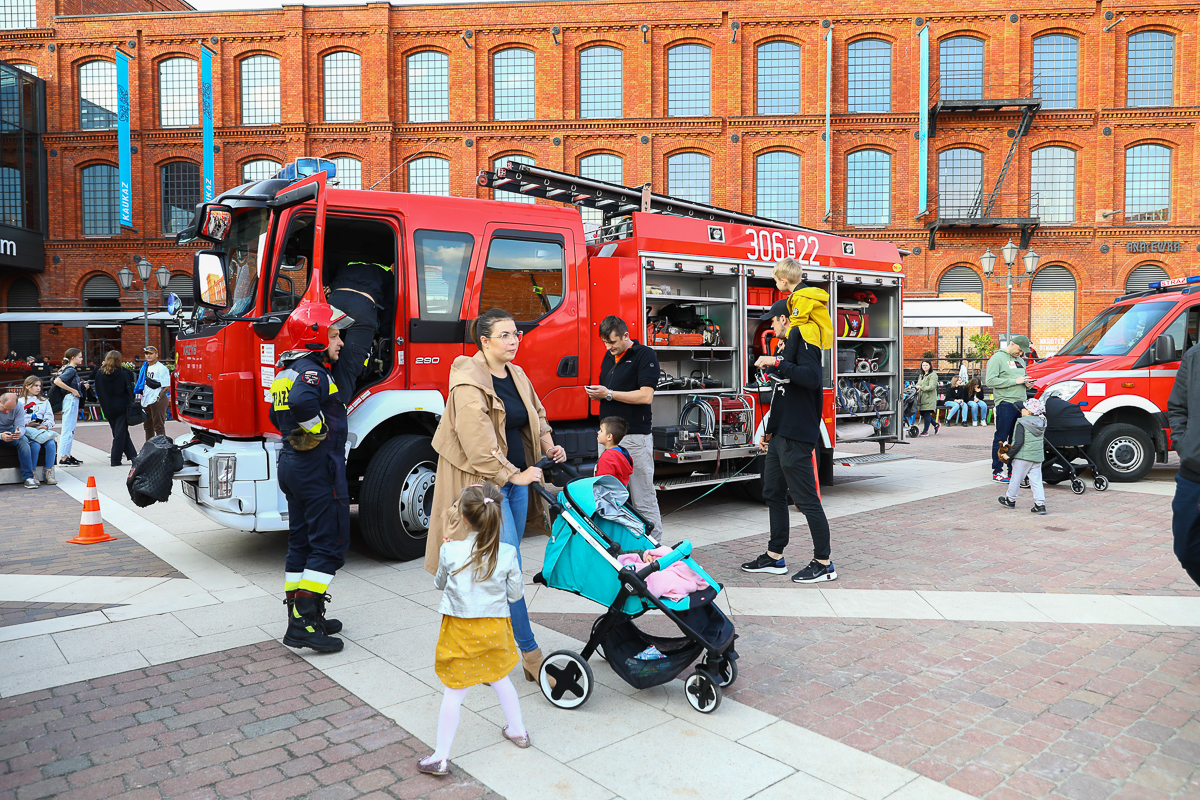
[[923, 129], [828, 129], [206, 120], [124, 156]]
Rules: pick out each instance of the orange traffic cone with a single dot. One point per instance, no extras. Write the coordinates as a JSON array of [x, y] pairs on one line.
[[91, 526]]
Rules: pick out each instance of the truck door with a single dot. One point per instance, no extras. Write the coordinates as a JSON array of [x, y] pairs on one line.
[[1183, 329], [525, 271], [438, 268]]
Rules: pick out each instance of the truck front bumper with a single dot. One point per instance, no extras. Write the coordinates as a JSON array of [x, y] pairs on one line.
[[248, 499]]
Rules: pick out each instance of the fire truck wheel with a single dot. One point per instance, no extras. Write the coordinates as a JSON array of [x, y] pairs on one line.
[[1123, 452], [396, 496]]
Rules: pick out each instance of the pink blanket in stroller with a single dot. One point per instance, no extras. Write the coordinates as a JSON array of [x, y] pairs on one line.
[[675, 582]]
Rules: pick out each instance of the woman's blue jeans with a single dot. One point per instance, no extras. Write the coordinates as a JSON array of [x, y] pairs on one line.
[[978, 409], [514, 510]]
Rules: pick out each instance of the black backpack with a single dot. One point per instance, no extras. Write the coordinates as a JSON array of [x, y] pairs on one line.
[[56, 396]]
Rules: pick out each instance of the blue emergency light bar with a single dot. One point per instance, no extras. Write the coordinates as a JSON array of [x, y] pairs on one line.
[[1174, 282], [304, 167]]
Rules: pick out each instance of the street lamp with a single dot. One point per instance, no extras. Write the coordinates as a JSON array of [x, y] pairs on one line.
[[1009, 252], [144, 268]]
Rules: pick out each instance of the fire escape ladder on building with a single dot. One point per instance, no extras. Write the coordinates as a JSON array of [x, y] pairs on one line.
[[613, 200], [976, 92]]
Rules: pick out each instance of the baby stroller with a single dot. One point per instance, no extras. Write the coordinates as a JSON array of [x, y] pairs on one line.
[[1068, 434], [910, 411], [592, 526]]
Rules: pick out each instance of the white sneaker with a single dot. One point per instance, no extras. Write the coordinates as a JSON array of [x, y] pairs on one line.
[[975, 423], [31, 483], [48, 475]]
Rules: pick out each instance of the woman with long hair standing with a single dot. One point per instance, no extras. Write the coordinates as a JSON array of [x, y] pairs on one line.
[[494, 429], [927, 396], [69, 381], [114, 388]]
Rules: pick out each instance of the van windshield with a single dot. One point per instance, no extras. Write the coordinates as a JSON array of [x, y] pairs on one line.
[[1117, 331]]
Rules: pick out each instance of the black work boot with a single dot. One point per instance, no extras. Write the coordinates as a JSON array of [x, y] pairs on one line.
[[305, 628], [332, 626]]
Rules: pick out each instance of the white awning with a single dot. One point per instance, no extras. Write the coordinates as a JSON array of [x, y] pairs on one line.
[[936, 312], [79, 319]]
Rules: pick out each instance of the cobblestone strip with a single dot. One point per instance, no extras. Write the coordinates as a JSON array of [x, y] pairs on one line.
[[20, 613], [256, 722]]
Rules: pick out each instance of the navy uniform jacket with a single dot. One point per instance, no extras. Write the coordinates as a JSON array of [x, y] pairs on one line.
[[304, 396]]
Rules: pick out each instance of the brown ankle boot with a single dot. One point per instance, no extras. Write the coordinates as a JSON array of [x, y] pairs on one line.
[[532, 662]]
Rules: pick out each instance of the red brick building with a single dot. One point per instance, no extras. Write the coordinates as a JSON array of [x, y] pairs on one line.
[[725, 104]]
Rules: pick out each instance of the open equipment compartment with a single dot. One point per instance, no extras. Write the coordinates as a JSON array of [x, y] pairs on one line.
[[869, 373]]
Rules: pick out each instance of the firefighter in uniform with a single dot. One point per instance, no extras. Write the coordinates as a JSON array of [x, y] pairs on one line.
[[311, 417], [360, 289]]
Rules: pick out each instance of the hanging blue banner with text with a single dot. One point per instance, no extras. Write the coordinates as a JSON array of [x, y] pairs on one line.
[[206, 120], [923, 126], [124, 156]]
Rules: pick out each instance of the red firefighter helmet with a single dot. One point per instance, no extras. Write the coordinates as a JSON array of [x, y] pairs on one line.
[[308, 326]]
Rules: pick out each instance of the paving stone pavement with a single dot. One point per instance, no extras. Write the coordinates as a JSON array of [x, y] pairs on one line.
[[1101, 542], [1002, 711], [15, 613], [252, 722]]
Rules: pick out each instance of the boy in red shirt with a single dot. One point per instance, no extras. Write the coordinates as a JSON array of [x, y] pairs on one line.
[[615, 460]]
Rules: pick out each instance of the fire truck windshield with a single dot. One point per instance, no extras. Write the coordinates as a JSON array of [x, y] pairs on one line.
[[244, 250], [1116, 331]]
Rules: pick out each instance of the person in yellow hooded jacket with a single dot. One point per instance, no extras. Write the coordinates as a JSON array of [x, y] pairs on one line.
[[793, 429]]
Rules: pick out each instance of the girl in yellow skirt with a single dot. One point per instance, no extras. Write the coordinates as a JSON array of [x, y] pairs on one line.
[[480, 576]]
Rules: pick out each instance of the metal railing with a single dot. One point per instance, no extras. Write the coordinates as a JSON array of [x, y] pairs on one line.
[[972, 203], [972, 85]]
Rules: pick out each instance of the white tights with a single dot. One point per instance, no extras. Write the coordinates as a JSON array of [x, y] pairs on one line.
[[451, 711]]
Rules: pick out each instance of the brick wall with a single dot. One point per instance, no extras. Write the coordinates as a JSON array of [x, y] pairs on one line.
[[1098, 130]]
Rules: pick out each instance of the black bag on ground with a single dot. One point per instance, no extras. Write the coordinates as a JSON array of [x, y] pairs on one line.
[[135, 414], [153, 471]]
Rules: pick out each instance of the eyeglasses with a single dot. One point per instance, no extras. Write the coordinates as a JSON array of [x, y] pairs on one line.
[[508, 336]]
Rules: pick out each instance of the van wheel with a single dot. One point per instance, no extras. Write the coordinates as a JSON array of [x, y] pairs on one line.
[[396, 497], [1123, 452]]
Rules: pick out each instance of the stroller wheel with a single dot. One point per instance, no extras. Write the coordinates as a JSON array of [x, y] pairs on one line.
[[702, 692], [1077, 486], [572, 678], [913, 431], [1101, 483], [727, 672]]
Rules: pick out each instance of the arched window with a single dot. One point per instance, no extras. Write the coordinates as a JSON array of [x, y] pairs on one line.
[[777, 186], [689, 177], [343, 87], [1052, 183], [1056, 70], [514, 82], [1151, 69], [1052, 309], [429, 175], [1148, 183], [260, 170], [869, 77], [958, 280], [960, 69], [101, 291], [1140, 279], [101, 191], [98, 95], [428, 76], [349, 172], [600, 167], [16, 14], [868, 188], [28, 69], [513, 197], [260, 90], [959, 283], [689, 80], [178, 93], [600, 83], [960, 183], [24, 337], [779, 78], [181, 191]]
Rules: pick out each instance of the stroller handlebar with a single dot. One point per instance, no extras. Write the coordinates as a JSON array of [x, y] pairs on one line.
[[548, 465], [678, 553]]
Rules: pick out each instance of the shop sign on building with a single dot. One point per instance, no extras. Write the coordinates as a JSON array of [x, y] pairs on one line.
[[21, 248], [1153, 247]]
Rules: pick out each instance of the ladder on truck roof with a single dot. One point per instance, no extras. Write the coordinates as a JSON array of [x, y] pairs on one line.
[[611, 199]]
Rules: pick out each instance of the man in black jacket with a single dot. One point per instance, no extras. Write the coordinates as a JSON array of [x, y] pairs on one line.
[[793, 432], [1185, 438]]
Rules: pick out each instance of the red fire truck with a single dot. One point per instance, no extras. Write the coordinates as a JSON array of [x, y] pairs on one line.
[[1120, 369], [690, 279]]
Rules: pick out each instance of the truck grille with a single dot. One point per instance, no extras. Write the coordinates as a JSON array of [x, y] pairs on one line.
[[195, 400]]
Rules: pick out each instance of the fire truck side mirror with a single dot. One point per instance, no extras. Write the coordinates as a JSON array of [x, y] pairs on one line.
[[208, 274], [1164, 348]]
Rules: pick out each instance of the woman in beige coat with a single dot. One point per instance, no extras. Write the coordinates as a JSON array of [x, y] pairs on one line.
[[494, 429]]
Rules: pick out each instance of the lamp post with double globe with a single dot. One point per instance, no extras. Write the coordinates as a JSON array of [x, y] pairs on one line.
[[144, 268], [1009, 252]]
